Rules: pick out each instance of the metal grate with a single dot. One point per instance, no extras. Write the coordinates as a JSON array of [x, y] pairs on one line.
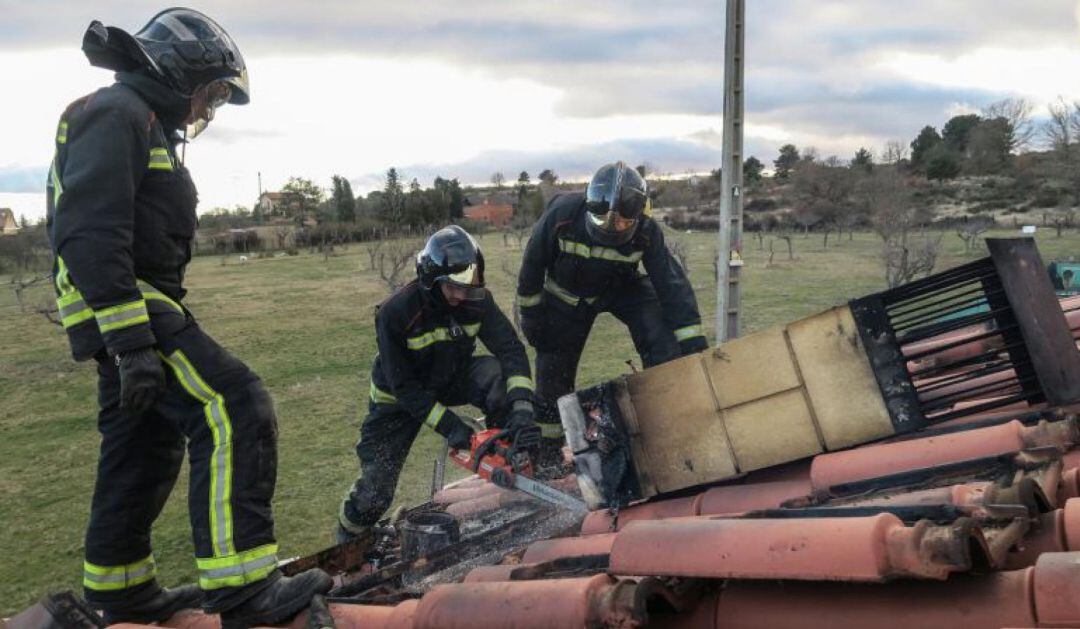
[[962, 307]]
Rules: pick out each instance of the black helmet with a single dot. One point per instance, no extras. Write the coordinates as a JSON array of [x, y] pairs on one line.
[[615, 201], [182, 47], [452, 256]]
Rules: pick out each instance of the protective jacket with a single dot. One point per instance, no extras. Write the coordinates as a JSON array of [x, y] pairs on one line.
[[121, 211], [564, 269], [121, 220], [425, 346]]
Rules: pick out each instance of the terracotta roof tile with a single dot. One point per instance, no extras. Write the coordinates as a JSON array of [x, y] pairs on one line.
[[547, 550], [836, 468], [872, 548]]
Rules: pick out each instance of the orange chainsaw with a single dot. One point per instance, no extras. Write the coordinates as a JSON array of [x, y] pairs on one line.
[[493, 458]]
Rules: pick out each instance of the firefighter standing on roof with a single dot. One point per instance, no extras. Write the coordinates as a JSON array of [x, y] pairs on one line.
[[426, 334], [583, 259], [121, 211]]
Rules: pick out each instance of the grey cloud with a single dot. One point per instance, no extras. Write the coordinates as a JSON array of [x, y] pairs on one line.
[[670, 156], [808, 60], [23, 178], [698, 153], [496, 33]]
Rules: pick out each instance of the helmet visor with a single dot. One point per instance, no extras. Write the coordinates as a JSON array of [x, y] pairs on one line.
[[217, 94], [611, 227], [467, 283]]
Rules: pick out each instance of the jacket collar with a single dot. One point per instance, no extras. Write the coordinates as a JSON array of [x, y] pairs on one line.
[[171, 108]]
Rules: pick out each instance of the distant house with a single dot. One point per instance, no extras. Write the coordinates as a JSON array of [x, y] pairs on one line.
[[277, 204], [8, 225], [495, 211], [477, 197]]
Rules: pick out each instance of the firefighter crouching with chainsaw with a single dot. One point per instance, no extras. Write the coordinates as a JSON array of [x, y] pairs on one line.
[[121, 212], [581, 260], [426, 333]]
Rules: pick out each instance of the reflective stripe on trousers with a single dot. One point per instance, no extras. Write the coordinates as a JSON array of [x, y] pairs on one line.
[[239, 569], [520, 382], [688, 332], [217, 418], [111, 578], [381, 397]]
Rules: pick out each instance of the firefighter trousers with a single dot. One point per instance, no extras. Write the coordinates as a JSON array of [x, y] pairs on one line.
[[220, 410], [635, 304], [388, 433]]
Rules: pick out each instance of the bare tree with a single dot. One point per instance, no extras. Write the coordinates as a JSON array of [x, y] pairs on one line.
[[785, 236], [784, 231], [912, 255], [497, 180], [848, 218], [679, 251], [825, 190], [19, 285], [45, 306], [281, 232], [511, 270], [1062, 217], [972, 228], [1059, 130], [394, 260], [895, 151], [806, 218], [373, 248], [908, 250], [1017, 113], [517, 232]]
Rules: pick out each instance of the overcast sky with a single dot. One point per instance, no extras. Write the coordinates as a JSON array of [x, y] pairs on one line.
[[465, 88]]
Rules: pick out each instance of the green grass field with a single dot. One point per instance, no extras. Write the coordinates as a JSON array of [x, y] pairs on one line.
[[306, 326]]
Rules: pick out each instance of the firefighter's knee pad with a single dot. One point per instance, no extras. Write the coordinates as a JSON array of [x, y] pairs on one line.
[[259, 407]]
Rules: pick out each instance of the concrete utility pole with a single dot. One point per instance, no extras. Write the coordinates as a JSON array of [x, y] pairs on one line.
[[729, 258]]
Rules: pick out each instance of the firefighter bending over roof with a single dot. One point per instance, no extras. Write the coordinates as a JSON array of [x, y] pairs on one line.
[[121, 210], [581, 260], [426, 333]]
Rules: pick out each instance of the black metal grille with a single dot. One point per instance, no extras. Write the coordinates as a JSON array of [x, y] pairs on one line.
[[928, 318]]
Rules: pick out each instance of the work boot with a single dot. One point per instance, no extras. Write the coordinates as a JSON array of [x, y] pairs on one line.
[[343, 535], [279, 601], [347, 530], [157, 606]]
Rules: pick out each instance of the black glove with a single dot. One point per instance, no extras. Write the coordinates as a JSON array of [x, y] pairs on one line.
[[522, 425], [532, 326], [458, 434], [142, 379]]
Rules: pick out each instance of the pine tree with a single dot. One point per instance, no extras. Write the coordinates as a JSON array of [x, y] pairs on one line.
[[344, 203]]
